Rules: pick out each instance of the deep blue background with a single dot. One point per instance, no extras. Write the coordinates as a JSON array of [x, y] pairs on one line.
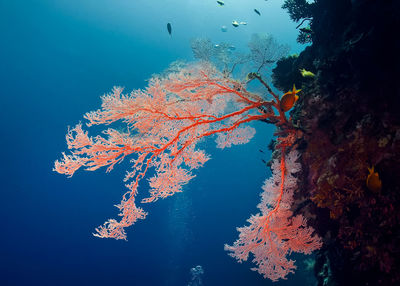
[[56, 59]]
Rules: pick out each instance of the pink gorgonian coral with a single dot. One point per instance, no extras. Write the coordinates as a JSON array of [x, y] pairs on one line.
[[274, 233], [164, 124]]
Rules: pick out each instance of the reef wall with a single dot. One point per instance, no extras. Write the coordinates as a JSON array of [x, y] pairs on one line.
[[350, 115]]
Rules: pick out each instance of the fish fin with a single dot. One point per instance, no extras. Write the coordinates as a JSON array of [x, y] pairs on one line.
[[294, 91], [371, 170]]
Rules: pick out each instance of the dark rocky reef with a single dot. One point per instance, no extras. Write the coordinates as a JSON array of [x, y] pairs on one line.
[[350, 115]]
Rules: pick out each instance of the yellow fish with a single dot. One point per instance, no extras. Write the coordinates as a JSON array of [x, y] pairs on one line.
[[306, 73], [289, 99], [373, 181]]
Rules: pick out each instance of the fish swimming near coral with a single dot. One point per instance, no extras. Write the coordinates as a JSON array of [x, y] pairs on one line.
[[251, 76], [258, 12], [373, 182], [306, 73], [289, 99], [169, 29]]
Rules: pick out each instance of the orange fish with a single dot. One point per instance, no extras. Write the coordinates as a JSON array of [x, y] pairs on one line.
[[289, 99], [373, 181]]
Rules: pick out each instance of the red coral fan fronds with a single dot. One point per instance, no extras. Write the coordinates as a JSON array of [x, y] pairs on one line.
[[274, 233], [164, 123]]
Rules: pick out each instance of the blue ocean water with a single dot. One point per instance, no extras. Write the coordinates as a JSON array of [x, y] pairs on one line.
[[56, 59]]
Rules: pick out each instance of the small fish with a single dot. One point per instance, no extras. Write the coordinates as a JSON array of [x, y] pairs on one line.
[[306, 73], [169, 28], [235, 23], [289, 99], [258, 12], [232, 47], [221, 3], [243, 23], [373, 182], [252, 75], [261, 151], [262, 160]]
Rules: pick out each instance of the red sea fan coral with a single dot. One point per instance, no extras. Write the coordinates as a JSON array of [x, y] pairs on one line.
[[274, 233], [164, 123]]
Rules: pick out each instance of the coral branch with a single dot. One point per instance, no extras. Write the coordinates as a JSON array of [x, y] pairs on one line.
[[274, 233], [164, 124]]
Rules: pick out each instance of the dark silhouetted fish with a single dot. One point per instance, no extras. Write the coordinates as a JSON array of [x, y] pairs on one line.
[[258, 12], [221, 3], [169, 28]]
